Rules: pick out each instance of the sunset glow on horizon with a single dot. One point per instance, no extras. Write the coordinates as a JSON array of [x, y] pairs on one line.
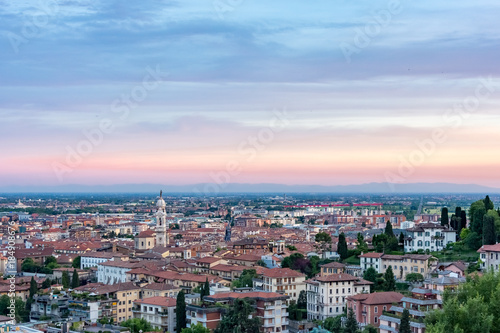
[[178, 93]]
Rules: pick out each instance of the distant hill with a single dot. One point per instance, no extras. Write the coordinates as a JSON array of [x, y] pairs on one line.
[[210, 189]]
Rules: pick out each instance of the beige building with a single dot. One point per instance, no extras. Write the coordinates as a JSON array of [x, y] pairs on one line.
[[284, 281], [490, 257], [158, 311]]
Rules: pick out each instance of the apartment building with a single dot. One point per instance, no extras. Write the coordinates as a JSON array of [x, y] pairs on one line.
[[332, 268], [401, 264], [284, 281], [270, 307], [429, 236], [92, 259], [159, 311], [369, 307], [327, 295], [419, 304], [490, 257]]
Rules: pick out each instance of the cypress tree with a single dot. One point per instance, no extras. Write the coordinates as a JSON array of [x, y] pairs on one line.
[[33, 288], [390, 281], [180, 311], [388, 229], [65, 279], [75, 282], [489, 232], [404, 327], [444, 217], [342, 247], [488, 204], [463, 220], [351, 324], [206, 289]]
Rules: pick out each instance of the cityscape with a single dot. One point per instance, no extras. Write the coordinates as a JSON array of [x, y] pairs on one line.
[[234, 166]]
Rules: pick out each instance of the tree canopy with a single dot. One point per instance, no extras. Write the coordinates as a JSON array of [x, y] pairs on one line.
[[238, 319]]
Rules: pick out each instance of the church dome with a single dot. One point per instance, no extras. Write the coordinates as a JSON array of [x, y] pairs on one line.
[[160, 203]]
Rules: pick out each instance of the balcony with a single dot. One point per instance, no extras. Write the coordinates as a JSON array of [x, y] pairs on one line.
[[269, 325]]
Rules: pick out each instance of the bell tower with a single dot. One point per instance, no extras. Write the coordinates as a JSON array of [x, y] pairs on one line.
[[161, 222]]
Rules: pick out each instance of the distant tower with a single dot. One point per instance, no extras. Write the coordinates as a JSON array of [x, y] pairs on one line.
[[308, 235], [227, 237], [161, 223]]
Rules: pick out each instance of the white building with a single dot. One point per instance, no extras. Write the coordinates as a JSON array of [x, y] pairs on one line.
[[371, 259], [159, 311], [327, 295], [92, 259], [429, 236], [490, 257], [111, 272], [161, 223]]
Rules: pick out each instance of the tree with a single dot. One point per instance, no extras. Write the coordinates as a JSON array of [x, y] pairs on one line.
[[414, 277], [489, 232], [370, 329], [21, 315], [261, 263], [362, 246], [476, 213], [302, 300], [390, 281], [137, 325], [33, 288], [323, 237], [370, 274], [65, 279], [180, 311], [472, 308], [198, 328], [488, 204], [392, 244], [245, 279], [404, 326], [51, 262], [402, 240], [206, 288], [77, 262], [342, 247], [473, 241], [30, 266], [238, 319], [455, 222], [463, 220], [444, 217], [75, 281], [351, 324], [333, 324], [46, 283], [388, 229]]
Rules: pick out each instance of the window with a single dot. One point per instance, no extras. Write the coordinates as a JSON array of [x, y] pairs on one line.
[[375, 319], [376, 309], [385, 308]]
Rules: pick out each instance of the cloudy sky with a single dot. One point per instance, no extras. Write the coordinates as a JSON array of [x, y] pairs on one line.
[[293, 92]]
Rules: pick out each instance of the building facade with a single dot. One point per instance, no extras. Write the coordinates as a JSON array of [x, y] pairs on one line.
[[429, 236], [158, 311], [490, 257], [284, 281]]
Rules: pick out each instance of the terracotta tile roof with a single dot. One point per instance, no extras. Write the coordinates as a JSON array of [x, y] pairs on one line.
[[159, 301], [371, 255], [333, 265], [387, 297], [336, 278], [253, 294], [282, 272], [146, 233], [490, 248]]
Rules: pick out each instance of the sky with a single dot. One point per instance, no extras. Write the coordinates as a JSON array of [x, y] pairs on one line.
[[290, 92]]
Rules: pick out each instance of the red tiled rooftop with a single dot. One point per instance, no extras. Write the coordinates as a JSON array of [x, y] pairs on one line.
[[282, 272], [158, 300]]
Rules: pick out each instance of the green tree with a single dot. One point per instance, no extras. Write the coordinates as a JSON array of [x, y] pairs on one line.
[[261, 263], [245, 279], [302, 300], [370, 329], [180, 311], [135, 325], [489, 231], [342, 247], [404, 326], [362, 246], [370, 274], [65, 279], [238, 319], [323, 237], [463, 220], [51, 262], [473, 308], [46, 283], [77, 262], [476, 214], [30, 266], [198, 328], [444, 217], [414, 277], [390, 281], [21, 314], [401, 240], [33, 288], [333, 324], [488, 204], [75, 281], [388, 229], [206, 288], [351, 324], [473, 241]]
